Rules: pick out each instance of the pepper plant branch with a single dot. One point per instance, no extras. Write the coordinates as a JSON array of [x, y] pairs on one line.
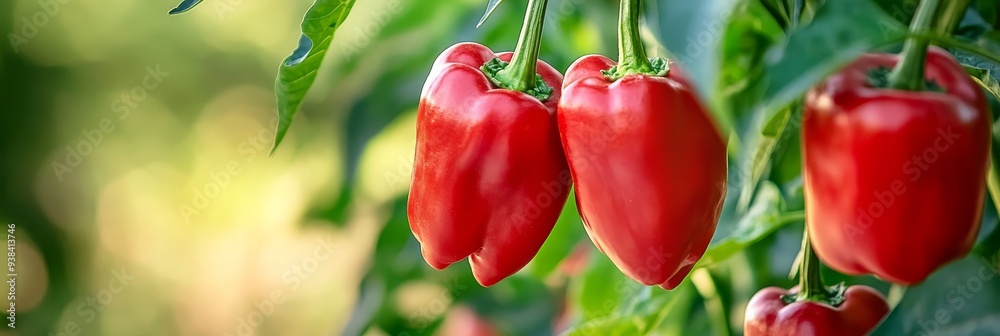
[[909, 72], [520, 74], [810, 280], [631, 53], [949, 15]]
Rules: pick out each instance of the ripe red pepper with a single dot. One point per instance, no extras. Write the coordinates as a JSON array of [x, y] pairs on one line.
[[648, 163], [894, 179], [769, 314], [489, 176]]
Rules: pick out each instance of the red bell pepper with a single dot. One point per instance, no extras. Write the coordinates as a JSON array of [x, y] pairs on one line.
[[770, 314], [489, 177], [648, 163], [812, 308], [895, 179]]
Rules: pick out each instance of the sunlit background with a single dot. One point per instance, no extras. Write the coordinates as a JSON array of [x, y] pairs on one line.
[[135, 160], [134, 164]]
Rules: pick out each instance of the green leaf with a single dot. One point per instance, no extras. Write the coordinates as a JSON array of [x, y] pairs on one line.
[[822, 47], [298, 71], [988, 79], [492, 6], [628, 325], [692, 31], [602, 290], [763, 218], [184, 6], [650, 311], [959, 299], [767, 141]]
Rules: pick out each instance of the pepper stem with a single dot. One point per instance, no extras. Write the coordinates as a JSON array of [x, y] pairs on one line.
[[632, 57], [810, 279], [909, 72], [949, 16], [521, 74], [631, 52]]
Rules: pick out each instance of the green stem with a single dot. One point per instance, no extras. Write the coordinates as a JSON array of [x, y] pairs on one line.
[[909, 73], [793, 216], [810, 280], [631, 53], [521, 73], [950, 14]]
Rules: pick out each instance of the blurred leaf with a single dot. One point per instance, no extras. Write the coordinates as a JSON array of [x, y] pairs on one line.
[[986, 78], [824, 46], [900, 10], [565, 236], [673, 318], [185, 6], [959, 299], [767, 141], [622, 325], [602, 290], [779, 11], [989, 11], [297, 72], [492, 6], [692, 31], [646, 313], [763, 218], [518, 305], [988, 241], [751, 32]]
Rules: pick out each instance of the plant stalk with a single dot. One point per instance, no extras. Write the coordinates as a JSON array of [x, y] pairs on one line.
[[632, 57], [810, 279], [909, 72], [521, 73]]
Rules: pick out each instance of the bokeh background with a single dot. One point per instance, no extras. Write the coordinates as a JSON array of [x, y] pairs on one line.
[[178, 195], [134, 164]]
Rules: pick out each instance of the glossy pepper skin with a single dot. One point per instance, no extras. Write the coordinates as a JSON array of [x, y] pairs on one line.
[[649, 168], [895, 180], [768, 314], [489, 177]]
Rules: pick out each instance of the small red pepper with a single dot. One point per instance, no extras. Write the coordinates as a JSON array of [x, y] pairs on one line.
[[895, 180], [812, 308], [769, 314], [648, 163], [489, 176]]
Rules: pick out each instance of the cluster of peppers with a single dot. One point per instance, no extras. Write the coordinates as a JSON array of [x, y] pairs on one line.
[[503, 138]]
